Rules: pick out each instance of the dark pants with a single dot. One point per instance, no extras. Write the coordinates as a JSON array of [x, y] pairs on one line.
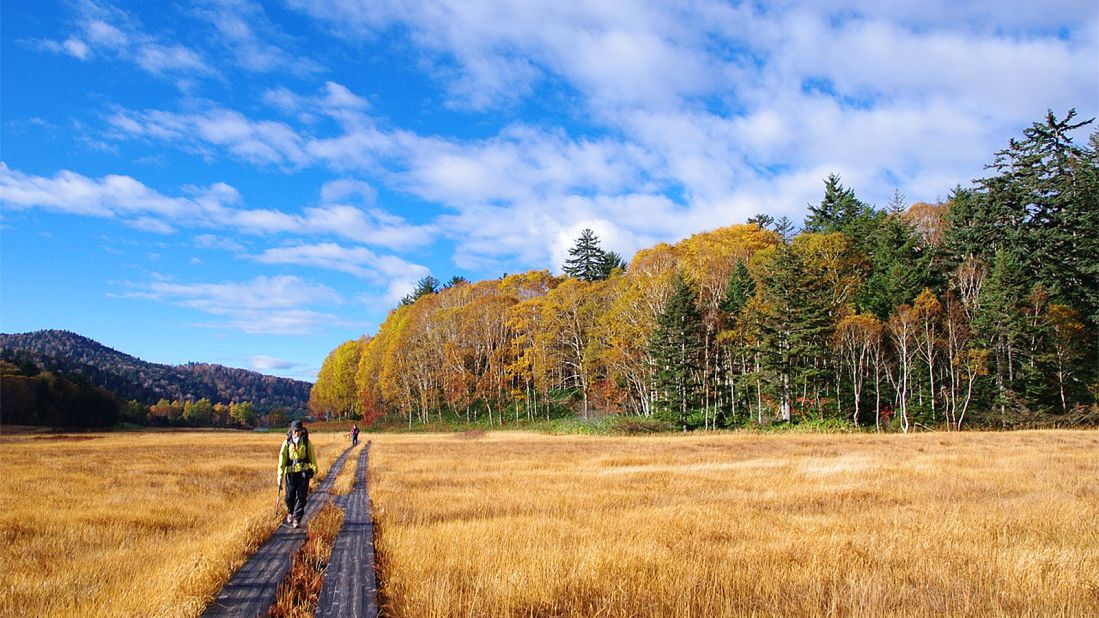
[[297, 491]]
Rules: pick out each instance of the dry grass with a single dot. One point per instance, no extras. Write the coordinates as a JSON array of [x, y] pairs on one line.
[[145, 524], [932, 524], [345, 480], [298, 593]]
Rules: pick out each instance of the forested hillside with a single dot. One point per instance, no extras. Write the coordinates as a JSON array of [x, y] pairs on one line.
[[131, 378], [980, 309]]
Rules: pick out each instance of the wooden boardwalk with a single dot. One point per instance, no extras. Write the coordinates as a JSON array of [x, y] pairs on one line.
[[252, 589], [350, 584]]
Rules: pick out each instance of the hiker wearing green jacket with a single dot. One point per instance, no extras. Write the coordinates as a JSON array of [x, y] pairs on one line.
[[297, 464]]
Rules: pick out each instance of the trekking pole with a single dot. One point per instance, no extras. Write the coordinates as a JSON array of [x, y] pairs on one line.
[[278, 499]]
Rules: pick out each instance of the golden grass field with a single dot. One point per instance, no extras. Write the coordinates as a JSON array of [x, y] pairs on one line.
[[962, 524], [134, 524], [506, 524]]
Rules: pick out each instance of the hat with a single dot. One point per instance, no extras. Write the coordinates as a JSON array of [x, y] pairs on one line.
[[295, 425]]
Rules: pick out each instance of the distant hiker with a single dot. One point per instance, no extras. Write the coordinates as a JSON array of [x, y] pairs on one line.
[[354, 434], [297, 464]]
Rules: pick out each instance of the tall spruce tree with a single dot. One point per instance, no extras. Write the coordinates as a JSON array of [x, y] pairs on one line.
[[837, 211], [738, 291], [1000, 323], [794, 326], [898, 268], [676, 348], [588, 261], [1040, 205]]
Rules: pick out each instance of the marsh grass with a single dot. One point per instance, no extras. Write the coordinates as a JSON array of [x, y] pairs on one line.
[[929, 524], [345, 480], [134, 524], [298, 593]]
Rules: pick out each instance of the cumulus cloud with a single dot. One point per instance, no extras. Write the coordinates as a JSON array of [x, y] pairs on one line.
[[697, 115]]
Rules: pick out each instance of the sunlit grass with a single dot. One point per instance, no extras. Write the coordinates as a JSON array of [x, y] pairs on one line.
[[517, 524], [298, 593], [345, 480], [134, 524], [931, 524]]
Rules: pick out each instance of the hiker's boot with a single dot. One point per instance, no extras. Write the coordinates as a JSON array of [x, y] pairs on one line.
[[294, 523], [289, 520]]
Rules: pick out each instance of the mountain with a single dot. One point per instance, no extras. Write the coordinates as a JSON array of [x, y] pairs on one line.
[[130, 377]]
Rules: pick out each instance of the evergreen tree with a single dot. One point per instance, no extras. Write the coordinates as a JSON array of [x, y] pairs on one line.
[[425, 286], [784, 227], [676, 348], [1040, 205], [739, 291], [611, 260], [453, 281], [588, 262], [762, 220], [793, 326], [1000, 323], [839, 209], [898, 268]]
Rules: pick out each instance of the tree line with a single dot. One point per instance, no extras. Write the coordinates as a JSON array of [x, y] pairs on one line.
[[980, 309], [30, 395]]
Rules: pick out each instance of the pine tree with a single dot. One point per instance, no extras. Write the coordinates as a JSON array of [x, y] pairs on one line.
[[454, 281], [794, 326], [898, 268], [1000, 323], [739, 291], [425, 286], [611, 260], [676, 348], [1040, 205], [837, 211], [588, 262], [762, 220]]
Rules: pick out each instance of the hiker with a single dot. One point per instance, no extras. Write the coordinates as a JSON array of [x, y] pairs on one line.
[[297, 464], [354, 434]]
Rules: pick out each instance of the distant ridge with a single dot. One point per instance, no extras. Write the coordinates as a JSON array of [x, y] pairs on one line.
[[130, 377]]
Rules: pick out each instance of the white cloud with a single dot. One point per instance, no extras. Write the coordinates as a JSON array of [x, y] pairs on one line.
[[358, 261], [697, 115], [126, 198], [112, 196], [265, 305], [262, 362], [244, 29], [210, 241], [105, 30]]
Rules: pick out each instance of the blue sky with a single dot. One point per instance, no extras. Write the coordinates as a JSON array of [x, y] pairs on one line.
[[253, 183]]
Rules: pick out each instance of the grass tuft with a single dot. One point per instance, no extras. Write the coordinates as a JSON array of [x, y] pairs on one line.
[[298, 593]]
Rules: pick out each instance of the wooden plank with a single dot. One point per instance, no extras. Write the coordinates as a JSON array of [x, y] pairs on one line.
[[350, 582], [252, 589]]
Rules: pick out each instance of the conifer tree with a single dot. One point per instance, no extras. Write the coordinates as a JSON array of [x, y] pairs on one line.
[[676, 348], [739, 291], [611, 260], [588, 261], [425, 286], [837, 211]]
